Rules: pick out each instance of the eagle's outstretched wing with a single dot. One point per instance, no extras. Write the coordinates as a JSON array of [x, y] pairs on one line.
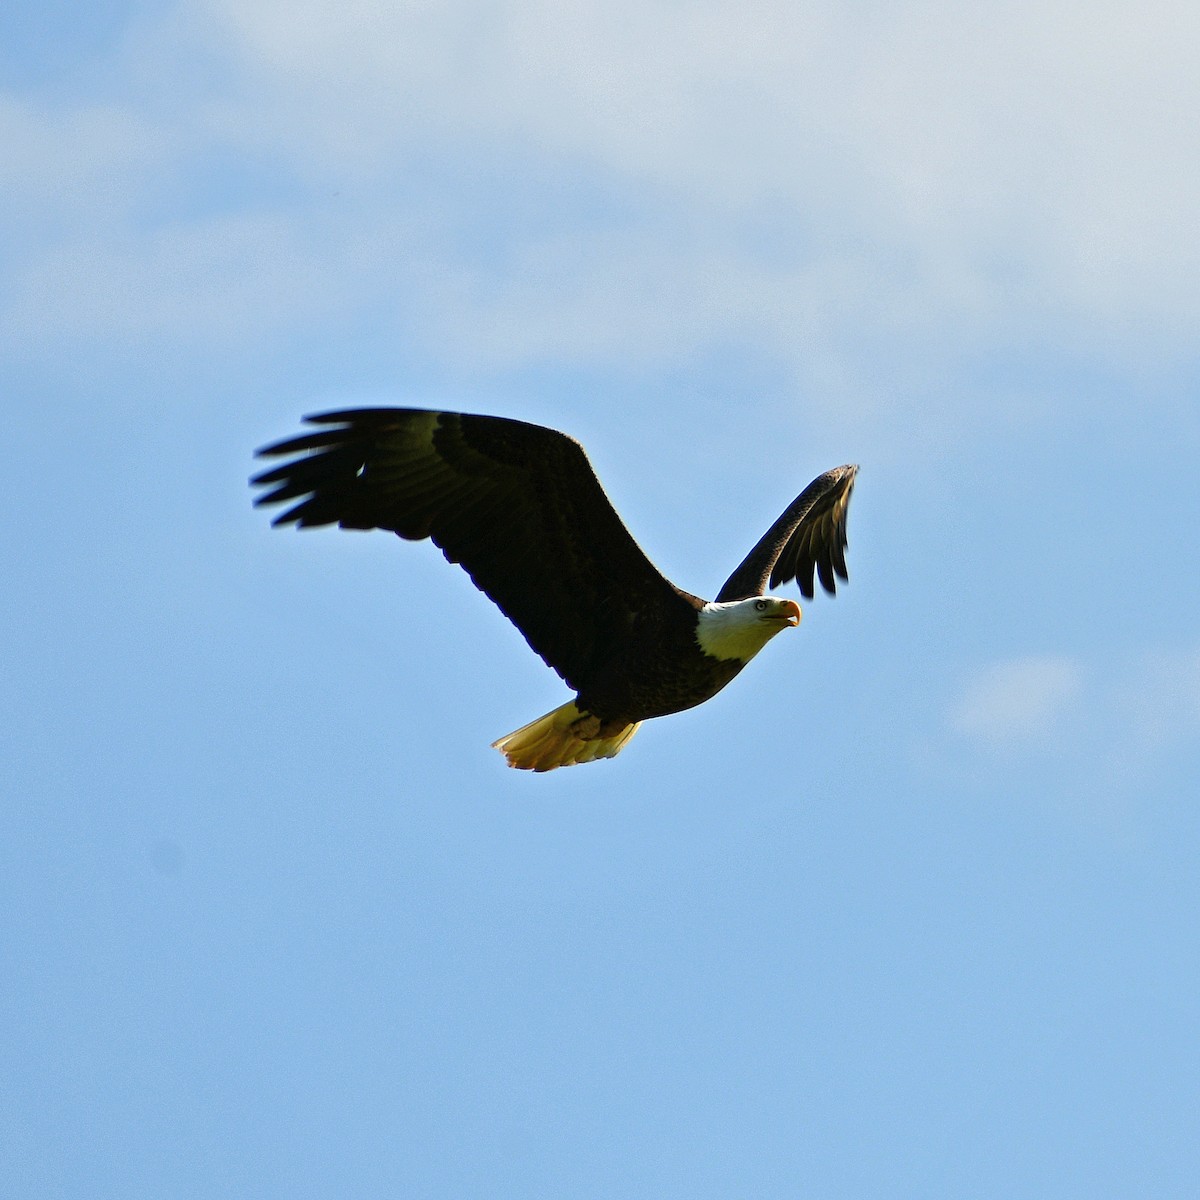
[[517, 505], [809, 535]]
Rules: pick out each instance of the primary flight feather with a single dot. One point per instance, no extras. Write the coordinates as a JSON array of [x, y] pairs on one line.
[[520, 508]]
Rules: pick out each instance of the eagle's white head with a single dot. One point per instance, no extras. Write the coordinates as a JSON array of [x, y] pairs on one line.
[[741, 628]]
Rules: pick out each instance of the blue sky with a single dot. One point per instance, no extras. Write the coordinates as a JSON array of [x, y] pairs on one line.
[[909, 910]]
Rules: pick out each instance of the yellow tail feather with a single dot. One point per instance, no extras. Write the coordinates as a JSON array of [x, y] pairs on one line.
[[561, 738]]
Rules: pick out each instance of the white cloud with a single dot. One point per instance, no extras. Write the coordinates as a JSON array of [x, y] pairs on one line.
[[862, 192], [1021, 701], [1122, 717], [1040, 154], [219, 280], [77, 162]]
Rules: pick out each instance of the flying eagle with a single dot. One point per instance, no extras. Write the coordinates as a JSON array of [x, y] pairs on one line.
[[520, 508]]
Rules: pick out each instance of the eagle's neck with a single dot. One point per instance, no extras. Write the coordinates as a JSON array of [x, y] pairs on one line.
[[733, 630]]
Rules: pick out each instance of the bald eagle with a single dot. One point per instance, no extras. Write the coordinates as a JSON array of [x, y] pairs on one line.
[[520, 508]]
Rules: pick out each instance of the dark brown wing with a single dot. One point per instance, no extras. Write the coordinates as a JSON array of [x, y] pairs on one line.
[[810, 535], [518, 505]]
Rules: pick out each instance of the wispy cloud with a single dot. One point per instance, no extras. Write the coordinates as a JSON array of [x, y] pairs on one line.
[[859, 193], [1121, 716], [1020, 155], [1019, 702], [81, 162]]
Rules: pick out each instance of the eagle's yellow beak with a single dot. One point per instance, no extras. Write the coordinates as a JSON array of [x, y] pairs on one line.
[[791, 613]]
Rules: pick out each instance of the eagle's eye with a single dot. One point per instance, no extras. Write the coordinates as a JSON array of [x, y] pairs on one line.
[[760, 605]]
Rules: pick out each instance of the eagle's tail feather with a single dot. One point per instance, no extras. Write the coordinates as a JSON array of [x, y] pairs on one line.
[[560, 739]]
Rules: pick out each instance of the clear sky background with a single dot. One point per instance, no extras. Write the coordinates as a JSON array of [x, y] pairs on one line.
[[910, 910]]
